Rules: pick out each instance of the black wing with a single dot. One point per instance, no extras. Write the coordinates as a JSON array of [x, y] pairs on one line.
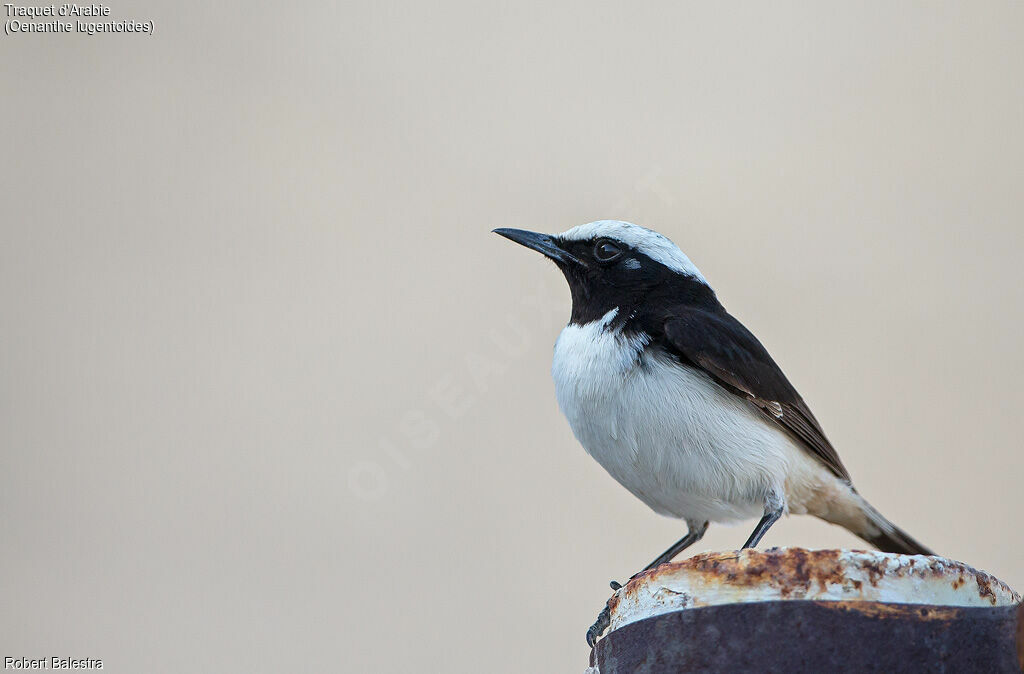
[[720, 345]]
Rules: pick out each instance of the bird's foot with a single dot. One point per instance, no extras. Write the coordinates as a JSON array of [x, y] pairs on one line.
[[599, 626], [603, 618]]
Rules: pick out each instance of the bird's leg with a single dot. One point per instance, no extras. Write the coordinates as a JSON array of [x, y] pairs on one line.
[[772, 513], [695, 533]]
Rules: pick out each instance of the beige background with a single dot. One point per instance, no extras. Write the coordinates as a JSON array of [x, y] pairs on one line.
[[274, 399]]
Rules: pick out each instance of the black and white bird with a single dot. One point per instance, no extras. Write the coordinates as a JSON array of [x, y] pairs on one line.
[[680, 403]]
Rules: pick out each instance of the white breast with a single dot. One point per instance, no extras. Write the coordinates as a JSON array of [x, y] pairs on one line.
[[682, 444]]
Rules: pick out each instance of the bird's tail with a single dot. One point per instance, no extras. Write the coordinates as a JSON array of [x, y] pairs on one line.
[[873, 527], [886, 536]]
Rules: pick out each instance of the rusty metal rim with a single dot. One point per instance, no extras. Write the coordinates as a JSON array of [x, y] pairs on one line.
[[796, 636]]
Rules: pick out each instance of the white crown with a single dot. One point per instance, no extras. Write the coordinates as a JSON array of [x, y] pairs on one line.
[[646, 241]]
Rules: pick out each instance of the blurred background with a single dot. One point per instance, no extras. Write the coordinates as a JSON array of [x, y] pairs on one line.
[[272, 397]]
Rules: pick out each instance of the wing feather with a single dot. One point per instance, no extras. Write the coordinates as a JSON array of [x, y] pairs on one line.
[[722, 347]]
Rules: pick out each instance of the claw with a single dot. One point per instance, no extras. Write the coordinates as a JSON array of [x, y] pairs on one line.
[[598, 628], [603, 618]]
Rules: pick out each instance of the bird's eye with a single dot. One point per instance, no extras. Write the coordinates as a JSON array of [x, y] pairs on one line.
[[606, 251]]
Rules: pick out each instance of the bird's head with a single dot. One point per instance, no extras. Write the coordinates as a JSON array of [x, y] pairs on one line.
[[616, 265]]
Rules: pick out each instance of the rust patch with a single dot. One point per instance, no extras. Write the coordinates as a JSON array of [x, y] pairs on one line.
[[985, 590], [875, 570], [874, 609], [789, 571], [613, 602]]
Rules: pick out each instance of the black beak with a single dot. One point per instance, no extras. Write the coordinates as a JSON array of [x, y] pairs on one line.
[[542, 243]]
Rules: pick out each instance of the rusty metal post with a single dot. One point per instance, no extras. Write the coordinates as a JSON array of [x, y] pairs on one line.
[[795, 610]]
